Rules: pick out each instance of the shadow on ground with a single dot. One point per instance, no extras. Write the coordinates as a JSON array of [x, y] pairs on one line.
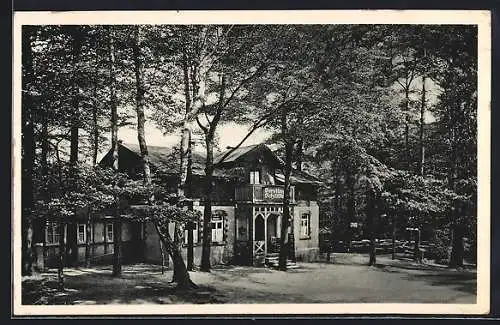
[[311, 282], [138, 284], [461, 280]]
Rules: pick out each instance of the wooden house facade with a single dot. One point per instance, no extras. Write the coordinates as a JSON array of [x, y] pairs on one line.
[[246, 210]]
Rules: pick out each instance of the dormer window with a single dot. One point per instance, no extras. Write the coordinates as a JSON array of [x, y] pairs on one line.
[[254, 177]]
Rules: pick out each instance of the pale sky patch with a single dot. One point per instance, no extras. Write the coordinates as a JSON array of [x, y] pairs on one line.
[[229, 134]]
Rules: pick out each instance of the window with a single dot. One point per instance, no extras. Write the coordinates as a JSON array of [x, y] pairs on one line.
[[217, 226], [52, 233], [109, 232], [217, 231], [82, 233], [195, 234], [305, 225], [254, 177]]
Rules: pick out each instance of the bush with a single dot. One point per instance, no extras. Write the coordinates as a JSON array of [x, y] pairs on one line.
[[439, 246]]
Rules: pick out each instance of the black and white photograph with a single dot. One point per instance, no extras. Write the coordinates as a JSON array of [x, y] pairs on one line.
[[240, 163]]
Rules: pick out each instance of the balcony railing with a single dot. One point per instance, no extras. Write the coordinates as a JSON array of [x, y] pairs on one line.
[[257, 193]]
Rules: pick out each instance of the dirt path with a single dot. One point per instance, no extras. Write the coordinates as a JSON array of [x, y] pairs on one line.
[[327, 283], [347, 281]]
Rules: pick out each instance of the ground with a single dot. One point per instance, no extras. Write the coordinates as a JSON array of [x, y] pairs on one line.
[[347, 279]]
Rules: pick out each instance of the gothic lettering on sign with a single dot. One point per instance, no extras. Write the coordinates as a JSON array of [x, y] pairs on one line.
[[273, 193]]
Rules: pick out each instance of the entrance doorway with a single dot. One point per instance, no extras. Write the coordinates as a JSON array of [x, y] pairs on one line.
[[272, 234]]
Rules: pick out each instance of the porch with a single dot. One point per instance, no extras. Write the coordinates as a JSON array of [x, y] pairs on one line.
[[258, 234]]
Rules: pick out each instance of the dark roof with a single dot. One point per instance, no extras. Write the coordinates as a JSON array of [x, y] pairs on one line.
[[299, 177], [237, 153], [167, 159], [158, 156]]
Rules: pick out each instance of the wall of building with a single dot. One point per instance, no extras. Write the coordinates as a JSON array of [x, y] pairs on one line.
[[219, 253], [306, 249], [101, 250]]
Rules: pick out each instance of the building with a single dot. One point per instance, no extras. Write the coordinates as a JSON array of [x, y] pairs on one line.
[[246, 210]]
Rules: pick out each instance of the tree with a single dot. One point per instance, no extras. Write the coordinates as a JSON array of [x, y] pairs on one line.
[[28, 150], [73, 189], [162, 214], [117, 229], [456, 59]]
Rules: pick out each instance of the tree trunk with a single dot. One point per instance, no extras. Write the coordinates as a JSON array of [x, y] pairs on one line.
[[28, 254], [162, 253], [207, 212], [88, 236], [351, 207], [393, 254], [190, 248], [44, 191], [75, 118], [139, 100], [181, 275], [74, 135], [299, 155], [407, 127], [417, 256], [28, 153], [421, 137], [457, 249], [284, 242], [178, 244], [336, 202], [117, 258], [95, 135], [62, 256], [183, 278], [186, 161], [117, 244], [95, 121], [373, 252], [371, 211], [456, 257]]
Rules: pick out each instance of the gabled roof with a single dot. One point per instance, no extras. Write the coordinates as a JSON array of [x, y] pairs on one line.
[[158, 156], [242, 152], [167, 158], [237, 153], [299, 177]]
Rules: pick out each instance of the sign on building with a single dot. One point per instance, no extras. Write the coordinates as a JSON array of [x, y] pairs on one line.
[[273, 193]]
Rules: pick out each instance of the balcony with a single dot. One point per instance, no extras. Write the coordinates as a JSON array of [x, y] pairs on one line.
[[261, 193]]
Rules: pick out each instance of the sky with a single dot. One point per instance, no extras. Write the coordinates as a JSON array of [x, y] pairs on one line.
[[229, 135]]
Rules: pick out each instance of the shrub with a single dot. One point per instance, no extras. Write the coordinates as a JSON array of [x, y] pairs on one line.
[[439, 246]]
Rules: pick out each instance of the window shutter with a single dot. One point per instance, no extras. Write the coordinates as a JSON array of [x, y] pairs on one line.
[[225, 225], [200, 228], [309, 224]]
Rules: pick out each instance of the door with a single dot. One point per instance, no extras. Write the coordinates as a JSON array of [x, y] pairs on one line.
[[71, 244], [272, 234], [242, 246]]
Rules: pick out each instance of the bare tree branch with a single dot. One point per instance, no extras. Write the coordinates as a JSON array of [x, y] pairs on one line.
[[260, 70], [401, 84], [205, 129], [262, 121]]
